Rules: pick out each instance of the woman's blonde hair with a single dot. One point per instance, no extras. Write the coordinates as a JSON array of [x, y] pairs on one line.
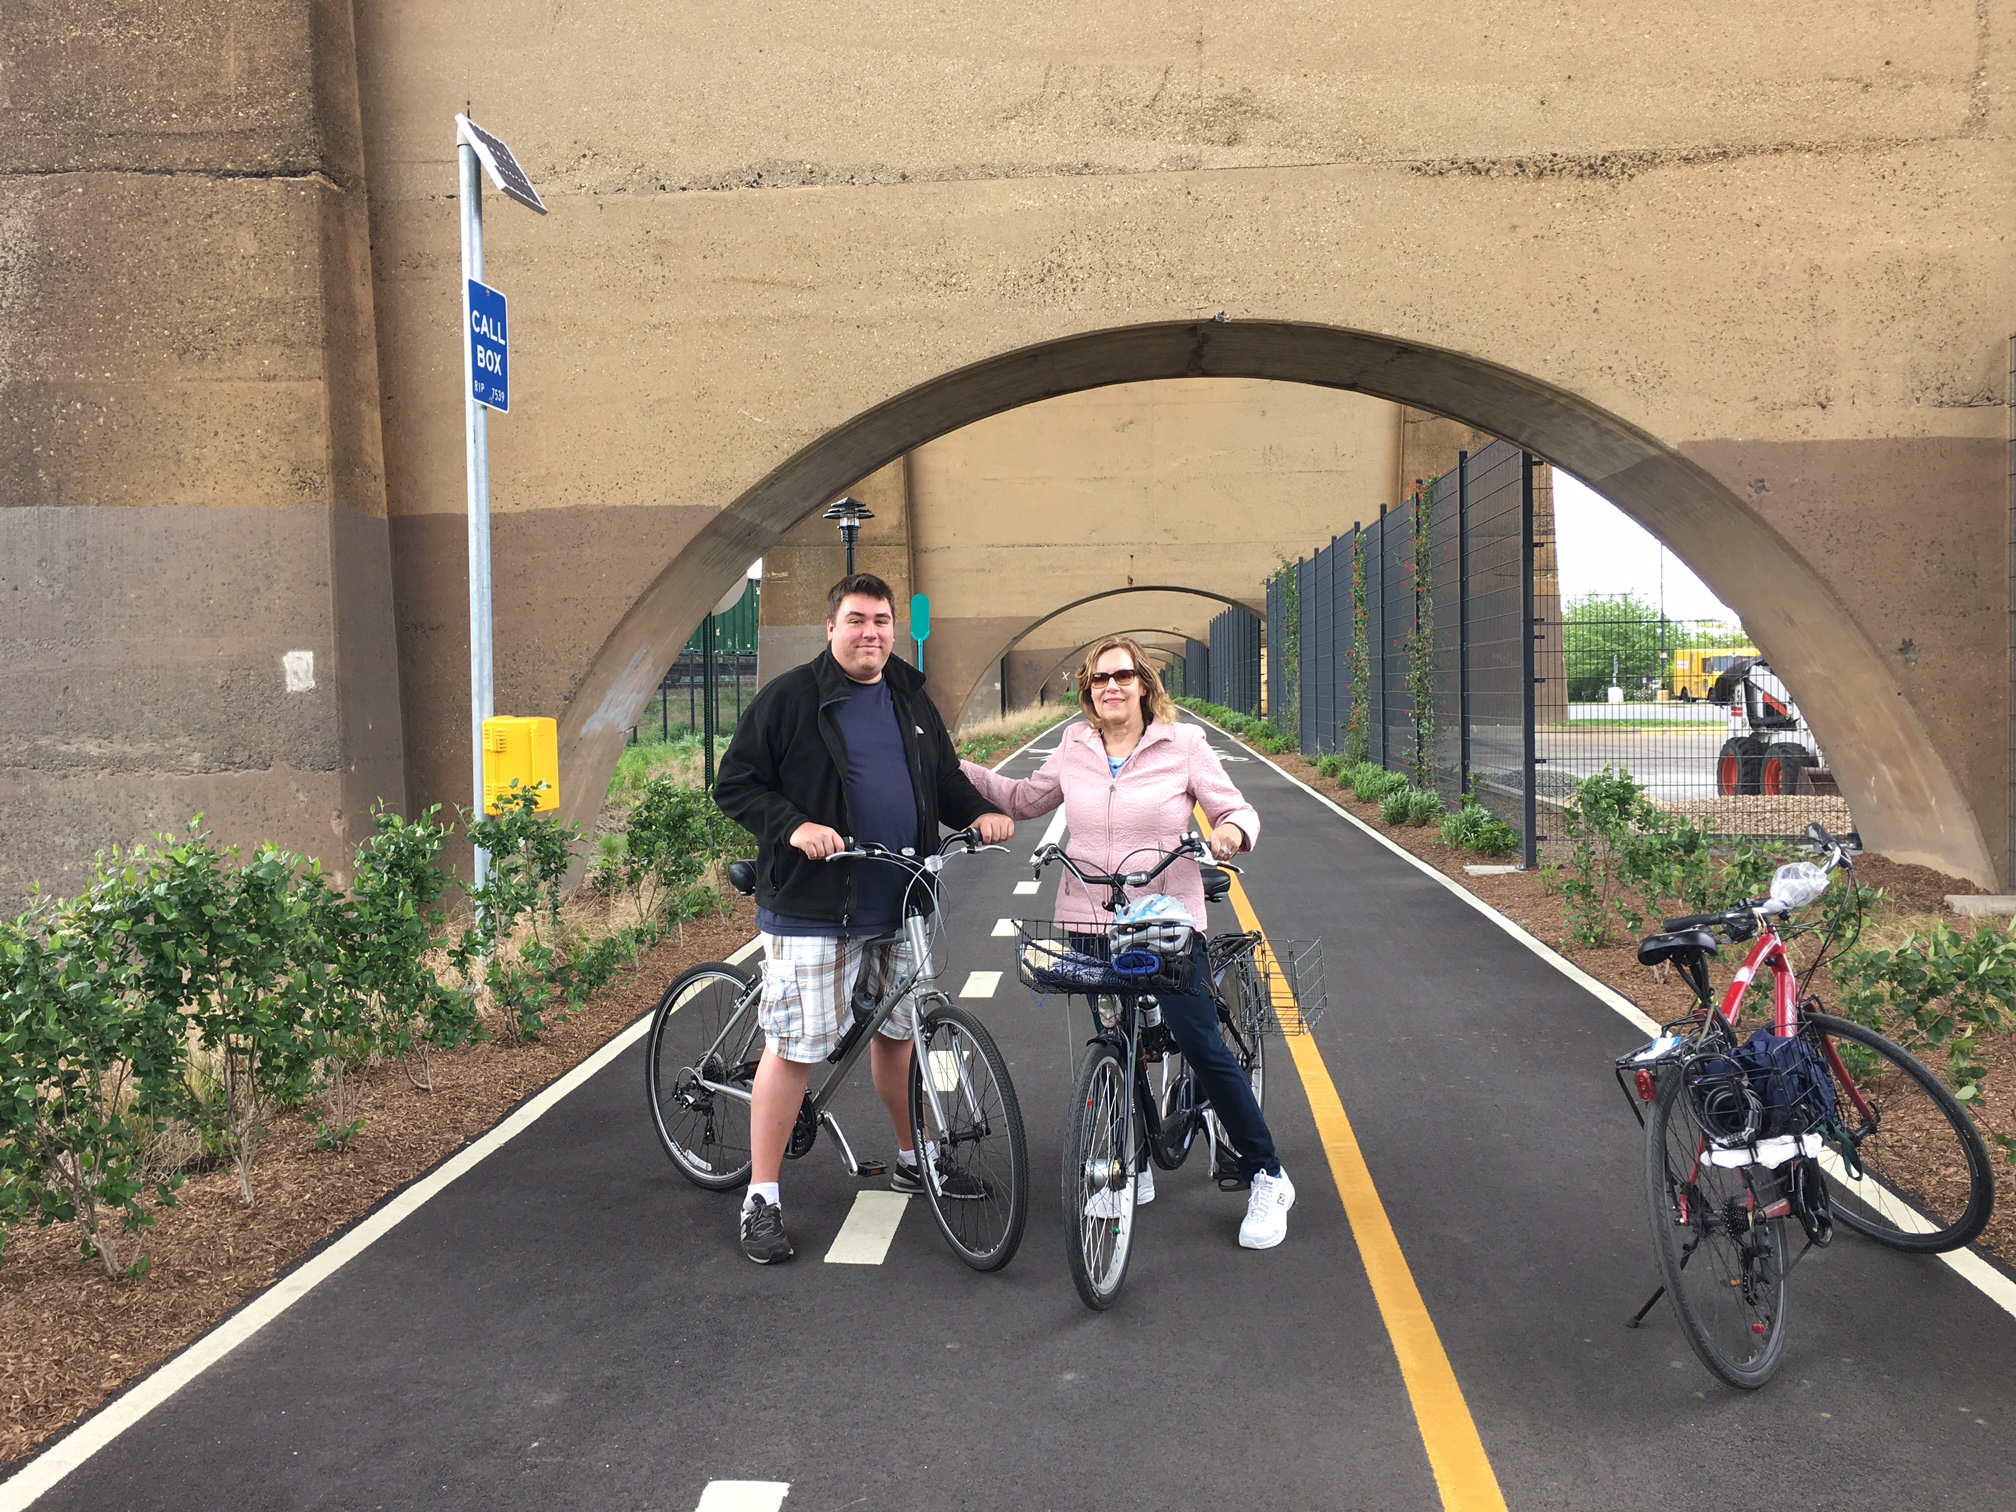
[[1156, 705]]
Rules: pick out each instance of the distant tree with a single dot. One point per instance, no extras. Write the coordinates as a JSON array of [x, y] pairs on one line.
[[1620, 635]]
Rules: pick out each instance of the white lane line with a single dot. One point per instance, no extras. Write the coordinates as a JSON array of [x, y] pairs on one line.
[[43, 1472], [1004, 929], [1055, 832], [1026, 889], [1967, 1265], [744, 1496], [871, 1224], [980, 984]]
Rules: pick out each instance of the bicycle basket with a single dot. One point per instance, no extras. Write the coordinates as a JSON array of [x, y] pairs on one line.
[[1291, 984], [1079, 958]]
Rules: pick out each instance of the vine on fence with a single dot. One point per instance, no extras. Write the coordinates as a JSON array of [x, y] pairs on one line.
[[1287, 718], [1357, 724], [1420, 644]]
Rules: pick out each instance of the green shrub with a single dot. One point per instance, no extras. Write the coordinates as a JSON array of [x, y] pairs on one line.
[[1371, 783], [1329, 766], [1937, 993], [1424, 806], [1475, 828], [1393, 806]]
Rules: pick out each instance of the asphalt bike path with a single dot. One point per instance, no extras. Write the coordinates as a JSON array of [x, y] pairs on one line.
[[571, 1324]]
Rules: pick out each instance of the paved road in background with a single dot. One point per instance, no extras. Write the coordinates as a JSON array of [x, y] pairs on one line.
[[573, 1325]]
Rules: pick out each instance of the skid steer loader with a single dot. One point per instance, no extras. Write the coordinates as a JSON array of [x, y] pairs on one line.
[[1769, 749]]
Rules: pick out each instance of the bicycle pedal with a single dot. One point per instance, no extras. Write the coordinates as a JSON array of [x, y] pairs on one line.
[[871, 1168]]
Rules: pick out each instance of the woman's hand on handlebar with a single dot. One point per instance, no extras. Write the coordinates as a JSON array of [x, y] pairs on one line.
[[994, 829], [1226, 841], [818, 842]]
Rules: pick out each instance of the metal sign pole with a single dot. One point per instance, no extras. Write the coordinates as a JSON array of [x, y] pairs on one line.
[[476, 434]]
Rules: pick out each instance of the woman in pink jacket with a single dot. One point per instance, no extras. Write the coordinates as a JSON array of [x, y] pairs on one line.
[[1130, 779]]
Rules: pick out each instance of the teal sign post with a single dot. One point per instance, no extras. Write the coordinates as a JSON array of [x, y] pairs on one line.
[[920, 624]]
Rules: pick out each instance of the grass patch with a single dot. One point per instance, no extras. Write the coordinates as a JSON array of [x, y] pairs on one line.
[[987, 740]]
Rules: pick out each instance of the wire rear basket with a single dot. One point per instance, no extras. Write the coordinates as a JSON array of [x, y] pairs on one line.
[[1055, 958], [1292, 981]]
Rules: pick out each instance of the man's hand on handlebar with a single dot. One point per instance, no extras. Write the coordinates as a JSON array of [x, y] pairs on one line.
[[994, 828], [817, 841]]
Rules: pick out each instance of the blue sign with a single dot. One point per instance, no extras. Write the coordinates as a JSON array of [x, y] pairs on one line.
[[489, 348], [920, 617]]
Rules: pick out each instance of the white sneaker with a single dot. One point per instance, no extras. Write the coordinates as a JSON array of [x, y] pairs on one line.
[[1267, 1207], [1144, 1186]]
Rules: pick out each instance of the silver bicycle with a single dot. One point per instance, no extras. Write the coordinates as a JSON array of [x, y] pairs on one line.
[[705, 1043]]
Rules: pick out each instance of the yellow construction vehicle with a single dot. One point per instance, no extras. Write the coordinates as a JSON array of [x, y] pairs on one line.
[[1696, 667]]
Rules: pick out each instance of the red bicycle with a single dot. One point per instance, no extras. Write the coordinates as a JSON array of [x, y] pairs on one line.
[[1809, 1119]]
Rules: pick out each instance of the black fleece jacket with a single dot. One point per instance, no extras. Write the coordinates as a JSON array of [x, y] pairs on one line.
[[787, 764]]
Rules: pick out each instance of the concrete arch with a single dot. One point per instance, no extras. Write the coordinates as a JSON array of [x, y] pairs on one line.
[[1138, 598], [1140, 633], [1906, 796]]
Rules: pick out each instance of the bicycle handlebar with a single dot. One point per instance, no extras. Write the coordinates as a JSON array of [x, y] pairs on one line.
[[1192, 844]]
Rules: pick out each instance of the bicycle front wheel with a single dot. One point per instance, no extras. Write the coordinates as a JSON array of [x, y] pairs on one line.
[[1098, 1183], [1723, 1261], [1926, 1185], [704, 1039], [980, 1194]]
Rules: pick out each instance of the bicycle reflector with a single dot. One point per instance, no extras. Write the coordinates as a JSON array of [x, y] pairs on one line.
[[1724, 1105]]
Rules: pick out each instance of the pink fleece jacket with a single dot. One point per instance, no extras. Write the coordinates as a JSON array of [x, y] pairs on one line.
[[1129, 819]]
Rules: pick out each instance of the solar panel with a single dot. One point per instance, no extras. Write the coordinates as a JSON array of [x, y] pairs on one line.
[[503, 168]]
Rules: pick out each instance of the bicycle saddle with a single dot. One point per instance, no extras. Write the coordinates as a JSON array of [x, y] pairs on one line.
[[1217, 884], [742, 877], [1665, 947]]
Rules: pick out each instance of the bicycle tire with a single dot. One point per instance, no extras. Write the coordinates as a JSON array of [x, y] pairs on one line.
[[1936, 1162], [705, 1134], [1724, 1270], [1098, 1187], [1177, 1121], [984, 1142]]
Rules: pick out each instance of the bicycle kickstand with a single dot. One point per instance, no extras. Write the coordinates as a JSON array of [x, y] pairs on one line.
[[1639, 1316], [859, 1167]]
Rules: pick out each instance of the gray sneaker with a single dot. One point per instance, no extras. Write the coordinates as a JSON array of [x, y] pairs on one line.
[[763, 1236]]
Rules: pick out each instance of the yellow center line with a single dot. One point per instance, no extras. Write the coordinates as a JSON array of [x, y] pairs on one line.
[[1463, 1472]]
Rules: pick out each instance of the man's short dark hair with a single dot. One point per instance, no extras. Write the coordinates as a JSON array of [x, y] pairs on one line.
[[864, 583]]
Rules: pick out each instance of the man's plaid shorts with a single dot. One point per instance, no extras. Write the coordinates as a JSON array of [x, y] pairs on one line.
[[814, 984]]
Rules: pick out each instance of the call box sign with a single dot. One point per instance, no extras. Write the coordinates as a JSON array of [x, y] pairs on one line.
[[489, 348]]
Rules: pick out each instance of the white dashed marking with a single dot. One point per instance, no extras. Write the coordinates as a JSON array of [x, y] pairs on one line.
[[1004, 929], [980, 984], [1026, 889], [745, 1496], [864, 1238]]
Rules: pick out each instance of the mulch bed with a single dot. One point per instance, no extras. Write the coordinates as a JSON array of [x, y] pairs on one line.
[[69, 1337], [1523, 897]]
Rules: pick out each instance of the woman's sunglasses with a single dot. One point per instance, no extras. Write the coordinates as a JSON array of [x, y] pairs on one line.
[[1124, 676]]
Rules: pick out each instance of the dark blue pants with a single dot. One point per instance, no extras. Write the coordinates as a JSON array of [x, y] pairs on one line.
[[1193, 1021]]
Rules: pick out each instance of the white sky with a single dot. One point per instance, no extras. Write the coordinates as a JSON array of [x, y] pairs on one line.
[[1601, 550]]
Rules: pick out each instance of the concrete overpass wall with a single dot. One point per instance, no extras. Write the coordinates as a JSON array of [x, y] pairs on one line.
[[1744, 270]]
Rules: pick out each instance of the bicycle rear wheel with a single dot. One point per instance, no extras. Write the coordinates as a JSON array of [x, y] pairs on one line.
[[1723, 1261], [704, 1030], [981, 1195], [1909, 1133], [1249, 1011], [1098, 1185]]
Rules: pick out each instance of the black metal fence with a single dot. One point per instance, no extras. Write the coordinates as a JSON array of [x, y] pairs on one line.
[[1234, 661], [717, 666], [1451, 604], [1387, 613]]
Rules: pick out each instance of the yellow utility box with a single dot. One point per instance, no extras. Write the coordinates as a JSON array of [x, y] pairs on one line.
[[527, 750]]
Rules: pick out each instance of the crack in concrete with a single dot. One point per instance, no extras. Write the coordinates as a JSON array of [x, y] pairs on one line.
[[1629, 163], [283, 175]]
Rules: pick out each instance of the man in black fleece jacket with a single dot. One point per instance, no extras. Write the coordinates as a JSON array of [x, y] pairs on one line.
[[846, 747]]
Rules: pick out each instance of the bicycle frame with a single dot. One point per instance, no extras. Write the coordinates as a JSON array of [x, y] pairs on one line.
[[922, 979]]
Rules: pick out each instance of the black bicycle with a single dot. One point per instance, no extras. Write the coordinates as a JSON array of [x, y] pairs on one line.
[[1134, 1099], [705, 1044]]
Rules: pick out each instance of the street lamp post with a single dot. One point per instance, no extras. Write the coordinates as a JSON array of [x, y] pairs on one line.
[[848, 513]]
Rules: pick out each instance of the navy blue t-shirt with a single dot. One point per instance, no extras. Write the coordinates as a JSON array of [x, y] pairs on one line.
[[881, 805]]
